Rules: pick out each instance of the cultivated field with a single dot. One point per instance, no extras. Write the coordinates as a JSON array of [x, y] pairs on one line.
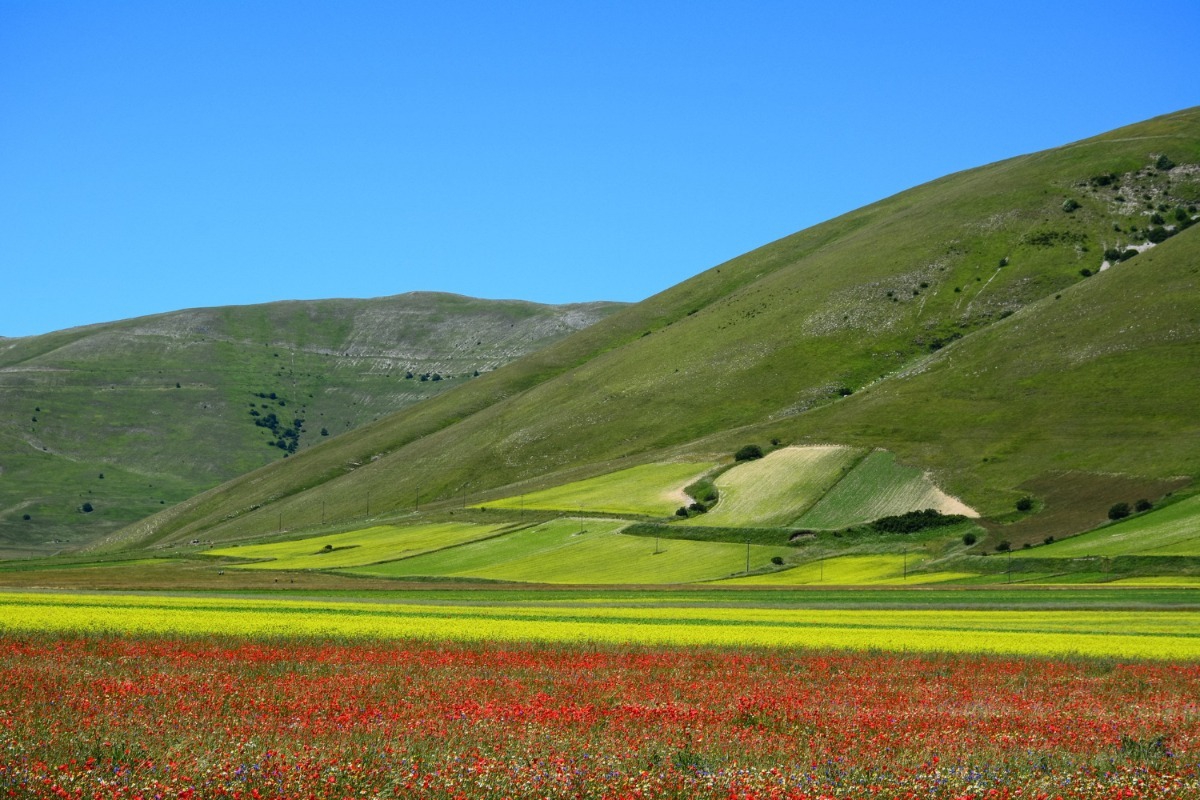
[[866, 570], [1170, 531], [778, 488], [1108, 633], [877, 487], [649, 489], [358, 547], [581, 551]]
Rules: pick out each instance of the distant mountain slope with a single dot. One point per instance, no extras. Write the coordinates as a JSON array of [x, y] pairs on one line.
[[129, 416], [950, 323]]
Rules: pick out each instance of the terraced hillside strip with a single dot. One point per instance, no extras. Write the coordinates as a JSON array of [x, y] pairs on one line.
[[1170, 531], [864, 570], [1105, 633], [359, 547], [879, 487], [582, 551], [776, 489], [649, 489]]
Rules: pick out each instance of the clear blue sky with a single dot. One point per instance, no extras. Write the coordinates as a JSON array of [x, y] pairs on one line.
[[164, 155]]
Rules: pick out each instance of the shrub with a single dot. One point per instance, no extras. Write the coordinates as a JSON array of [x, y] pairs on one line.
[[698, 508], [1128, 254], [1163, 163], [681, 511], [914, 521], [1157, 219], [1004, 261], [845, 391], [1143, 505], [1119, 511], [1158, 235], [969, 539], [1070, 204], [1048, 540], [1003, 547], [1181, 215], [87, 508], [26, 517], [1112, 254], [1085, 272], [777, 560], [1025, 504], [324, 431], [748, 453]]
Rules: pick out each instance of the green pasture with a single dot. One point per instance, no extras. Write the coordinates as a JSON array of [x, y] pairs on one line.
[[1120, 634], [582, 551], [863, 570], [650, 489], [876, 487], [1173, 530], [778, 488], [359, 547]]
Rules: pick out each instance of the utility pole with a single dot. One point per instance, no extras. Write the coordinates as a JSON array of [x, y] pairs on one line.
[[656, 550], [280, 529], [747, 555], [905, 562]]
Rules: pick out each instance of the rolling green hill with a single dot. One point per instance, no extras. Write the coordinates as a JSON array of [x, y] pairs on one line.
[[995, 329], [131, 416]]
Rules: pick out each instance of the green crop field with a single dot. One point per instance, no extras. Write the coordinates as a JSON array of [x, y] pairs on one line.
[[1109, 633], [877, 487], [355, 548], [650, 489], [1170, 531], [587, 551], [776, 489], [850, 571]]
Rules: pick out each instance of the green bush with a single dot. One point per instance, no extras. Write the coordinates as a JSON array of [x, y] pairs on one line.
[[1143, 505], [1070, 204], [1119, 511], [1025, 504], [969, 539], [777, 560], [748, 453], [914, 521], [1163, 163]]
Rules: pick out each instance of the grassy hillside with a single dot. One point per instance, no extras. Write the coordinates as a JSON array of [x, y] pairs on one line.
[[131, 416], [966, 325]]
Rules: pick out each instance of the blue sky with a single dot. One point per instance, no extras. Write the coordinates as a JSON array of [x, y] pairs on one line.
[[166, 155]]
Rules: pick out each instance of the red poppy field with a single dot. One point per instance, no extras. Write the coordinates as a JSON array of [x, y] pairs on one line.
[[120, 717]]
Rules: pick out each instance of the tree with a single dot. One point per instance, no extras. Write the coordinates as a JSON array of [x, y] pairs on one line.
[[1143, 505], [1025, 504], [969, 539], [86, 508], [748, 453], [1119, 511]]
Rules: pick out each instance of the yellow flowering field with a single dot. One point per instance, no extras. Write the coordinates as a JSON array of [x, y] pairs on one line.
[[1127, 634]]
